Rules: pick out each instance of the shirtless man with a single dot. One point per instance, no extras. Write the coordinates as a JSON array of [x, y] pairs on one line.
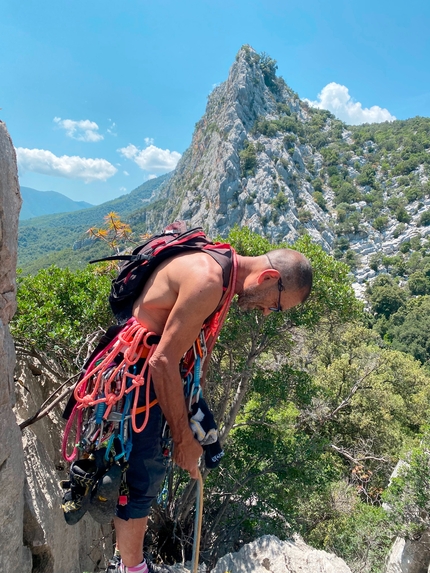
[[182, 292]]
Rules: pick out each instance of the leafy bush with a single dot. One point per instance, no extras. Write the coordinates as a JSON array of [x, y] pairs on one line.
[[280, 201], [425, 218], [385, 297], [402, 215], [58, 309], [418, 283], [304, 215], [319, 199], [380, 222], [317, 184], [366, 176], [248, 159], [268, 66], [399, 230]]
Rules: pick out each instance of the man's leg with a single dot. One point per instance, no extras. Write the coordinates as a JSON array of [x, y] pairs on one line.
[[129, 539]]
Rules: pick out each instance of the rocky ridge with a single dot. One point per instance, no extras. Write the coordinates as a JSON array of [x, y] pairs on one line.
[[263, 158]]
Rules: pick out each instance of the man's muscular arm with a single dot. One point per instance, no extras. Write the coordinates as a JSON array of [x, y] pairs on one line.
[[198, 296]]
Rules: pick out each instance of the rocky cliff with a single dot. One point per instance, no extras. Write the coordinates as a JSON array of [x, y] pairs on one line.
[[34, 534], [17, 557], [262, 157]]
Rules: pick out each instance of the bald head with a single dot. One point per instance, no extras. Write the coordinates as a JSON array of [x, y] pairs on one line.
[[295, 270]]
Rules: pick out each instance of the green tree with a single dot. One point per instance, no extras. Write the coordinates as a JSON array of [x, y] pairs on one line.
[[268, 67], [385, 297], [380, 222], [418, 283], [319, 199], [402, 215], [58, 313], [409, 328], [425, 218]]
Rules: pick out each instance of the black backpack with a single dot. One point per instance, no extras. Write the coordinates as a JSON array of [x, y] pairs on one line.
[[173, 240]]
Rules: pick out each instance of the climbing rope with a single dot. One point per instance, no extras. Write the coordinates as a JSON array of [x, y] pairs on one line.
[[110, 378], [198, 519]]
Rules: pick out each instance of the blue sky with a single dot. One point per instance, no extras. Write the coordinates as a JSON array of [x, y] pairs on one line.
[[100, 96]]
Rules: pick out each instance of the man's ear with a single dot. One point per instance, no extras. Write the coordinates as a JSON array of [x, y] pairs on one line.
[[268, 274]]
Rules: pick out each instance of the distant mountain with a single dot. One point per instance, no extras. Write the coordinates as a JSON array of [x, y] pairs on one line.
[[261, 157], [61, 238], [37, 203]]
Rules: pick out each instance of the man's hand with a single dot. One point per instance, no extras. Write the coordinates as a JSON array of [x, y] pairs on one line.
[[187, 455]]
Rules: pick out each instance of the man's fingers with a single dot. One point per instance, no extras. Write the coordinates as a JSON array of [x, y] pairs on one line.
[[188, 458], [194, 474]]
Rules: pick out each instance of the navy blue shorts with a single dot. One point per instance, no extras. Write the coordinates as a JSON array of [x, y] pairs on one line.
[[147, 466]]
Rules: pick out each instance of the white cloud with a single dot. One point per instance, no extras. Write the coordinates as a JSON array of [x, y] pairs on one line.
[[151, 158], [82, 130], [336, 99], [70, 167], [126, 173], [149, 141], [152, 176], [112, 128], [123, 189]]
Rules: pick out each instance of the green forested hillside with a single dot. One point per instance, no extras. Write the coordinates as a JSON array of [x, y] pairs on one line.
[[57, 238], [38, 203]]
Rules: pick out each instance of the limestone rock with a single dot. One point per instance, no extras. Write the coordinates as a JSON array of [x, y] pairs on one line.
[[55, 546], [270, 555], [408, 556], [208, 186], [14, 557]]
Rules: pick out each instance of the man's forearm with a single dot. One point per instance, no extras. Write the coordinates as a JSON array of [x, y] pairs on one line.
[[170, 394]]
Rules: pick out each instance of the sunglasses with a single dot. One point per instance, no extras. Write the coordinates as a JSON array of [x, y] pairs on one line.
[[280, 289]]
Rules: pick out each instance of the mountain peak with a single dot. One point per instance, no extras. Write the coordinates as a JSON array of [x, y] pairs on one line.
[[240, 160]]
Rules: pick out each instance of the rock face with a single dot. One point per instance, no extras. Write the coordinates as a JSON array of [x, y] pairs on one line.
[[14, 557], [270, 555], [407, 556], [211, 186], [35, 537], [55, 546]]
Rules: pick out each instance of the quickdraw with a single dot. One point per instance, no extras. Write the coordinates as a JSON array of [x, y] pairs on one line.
[[104, 393]]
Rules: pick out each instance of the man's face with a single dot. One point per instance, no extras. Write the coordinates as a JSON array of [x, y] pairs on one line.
[[265, 296]]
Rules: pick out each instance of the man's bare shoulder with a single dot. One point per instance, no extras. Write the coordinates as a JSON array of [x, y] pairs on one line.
[[196, 268], [187, 281]]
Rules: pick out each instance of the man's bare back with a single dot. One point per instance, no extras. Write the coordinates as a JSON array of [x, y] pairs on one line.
[[191, 275]]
